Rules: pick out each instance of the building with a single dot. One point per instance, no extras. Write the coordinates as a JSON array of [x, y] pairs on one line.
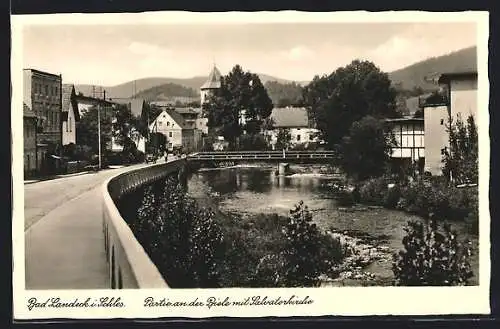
[[29, 139], [179, 134], [211, 85], [436, 118], [458, 98], [462, 93], [106, 111], [296, 121], [43, 95], [410, 147], [70, 114]]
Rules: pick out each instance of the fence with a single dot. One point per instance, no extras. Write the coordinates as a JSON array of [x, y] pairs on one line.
[[129, 265]]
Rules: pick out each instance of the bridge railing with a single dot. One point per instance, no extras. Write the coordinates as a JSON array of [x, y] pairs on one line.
[[129, 265], [224, 155]]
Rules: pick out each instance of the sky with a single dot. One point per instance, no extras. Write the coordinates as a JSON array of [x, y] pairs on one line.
[[112, 54]]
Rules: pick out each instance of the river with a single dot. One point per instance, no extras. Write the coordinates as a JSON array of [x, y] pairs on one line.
[[254, 190]]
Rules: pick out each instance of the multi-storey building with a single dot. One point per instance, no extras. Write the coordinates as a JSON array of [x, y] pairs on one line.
[[459, 99], [29, 139], [43, 95]]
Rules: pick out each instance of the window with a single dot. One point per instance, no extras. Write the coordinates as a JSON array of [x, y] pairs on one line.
[[160, 123], [168, 123], [298, 138], [169, 134], [46, 89], [442, 122], [310, 137], [69, 121]]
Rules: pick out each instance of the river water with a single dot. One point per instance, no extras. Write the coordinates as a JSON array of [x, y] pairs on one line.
[[257, 190]]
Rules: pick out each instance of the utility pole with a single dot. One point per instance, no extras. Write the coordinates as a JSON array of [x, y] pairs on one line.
[[99, 130]]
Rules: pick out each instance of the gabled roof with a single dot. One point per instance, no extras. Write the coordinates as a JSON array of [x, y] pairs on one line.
[[178, 119], [213, 81], [135, 105], [68, 95], [290, 117]]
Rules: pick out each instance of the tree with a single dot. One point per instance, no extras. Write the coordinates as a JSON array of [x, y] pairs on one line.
[[283, 139], [347, 95], [432, 257], [365, 151], [124, 123], [460, 159], [241, 93], [87, 132], [284, 94], [157, 143]]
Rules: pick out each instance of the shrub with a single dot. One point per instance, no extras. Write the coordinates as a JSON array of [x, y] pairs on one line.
[[183, 239], [431, 257], [373, 191], [301, 254], [392, 197]]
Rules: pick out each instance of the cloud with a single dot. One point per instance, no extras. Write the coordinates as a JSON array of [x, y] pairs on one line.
[[299, 53], [142, 48]]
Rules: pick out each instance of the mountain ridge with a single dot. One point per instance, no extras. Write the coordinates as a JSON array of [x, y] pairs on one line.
[[406, 78]]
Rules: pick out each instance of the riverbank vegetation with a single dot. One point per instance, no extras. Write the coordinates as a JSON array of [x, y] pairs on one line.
[[193, 248]]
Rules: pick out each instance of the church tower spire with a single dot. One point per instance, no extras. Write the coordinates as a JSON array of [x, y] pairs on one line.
[[212, 83]]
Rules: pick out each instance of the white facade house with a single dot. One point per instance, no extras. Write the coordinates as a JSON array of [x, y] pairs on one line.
[[179, 134], [461, 100], [296, 121], [462, 93], [70, 114]]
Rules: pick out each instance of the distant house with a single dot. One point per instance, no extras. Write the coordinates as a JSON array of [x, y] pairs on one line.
[[29, 139], [70, 114], [296, 121], [179, 133], [410, 147]]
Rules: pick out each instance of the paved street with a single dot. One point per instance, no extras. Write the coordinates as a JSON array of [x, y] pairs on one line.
[[64, 246]]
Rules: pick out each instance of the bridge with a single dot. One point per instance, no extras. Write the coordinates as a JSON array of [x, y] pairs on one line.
[[253, 156]]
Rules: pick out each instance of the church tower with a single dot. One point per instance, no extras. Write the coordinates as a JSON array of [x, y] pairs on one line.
[[213, 83]]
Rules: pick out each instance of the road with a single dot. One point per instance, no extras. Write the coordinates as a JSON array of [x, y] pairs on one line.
[[42, 197], [64, 244]]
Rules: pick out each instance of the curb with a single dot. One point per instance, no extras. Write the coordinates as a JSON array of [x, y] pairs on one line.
[[55, 177]]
